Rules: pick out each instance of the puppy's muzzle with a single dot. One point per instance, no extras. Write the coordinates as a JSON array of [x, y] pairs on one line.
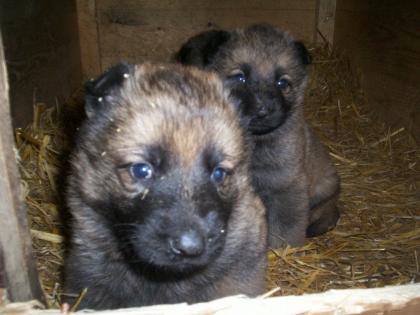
[[188, 244], [263, 111]]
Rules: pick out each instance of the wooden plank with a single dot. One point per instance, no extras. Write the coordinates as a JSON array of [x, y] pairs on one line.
[[89, 40], [136, 31], [219, 5], [382, 39], [325, 21], [396, 300], [15, 241], [159, 42]]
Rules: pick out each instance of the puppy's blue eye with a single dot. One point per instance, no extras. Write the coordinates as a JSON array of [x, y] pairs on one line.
[[282, 84], [239, 77], [218, 175], [142, 170]]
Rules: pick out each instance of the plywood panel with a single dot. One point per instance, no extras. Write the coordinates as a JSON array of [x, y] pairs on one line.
[[142, 30], [382, 38]]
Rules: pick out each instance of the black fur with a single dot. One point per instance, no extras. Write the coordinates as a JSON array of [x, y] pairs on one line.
[[303, 53], [201, 49], [178, 236], [98, 91], [265, 72]]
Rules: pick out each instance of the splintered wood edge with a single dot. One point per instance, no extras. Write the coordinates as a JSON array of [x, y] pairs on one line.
[[392, 300]]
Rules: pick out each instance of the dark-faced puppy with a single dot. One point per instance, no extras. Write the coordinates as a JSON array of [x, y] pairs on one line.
[[264, 68], [163, 207]]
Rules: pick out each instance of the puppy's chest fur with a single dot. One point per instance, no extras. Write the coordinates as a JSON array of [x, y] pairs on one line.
[[132, 283], [278, 159]]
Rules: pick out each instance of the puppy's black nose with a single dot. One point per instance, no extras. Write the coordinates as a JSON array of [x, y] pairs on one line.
[[263, 111], [188, 244]]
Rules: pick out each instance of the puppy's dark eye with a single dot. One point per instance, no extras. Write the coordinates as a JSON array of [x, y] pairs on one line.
[[283, 84], [218, 175], [238, 77], [141, 171]]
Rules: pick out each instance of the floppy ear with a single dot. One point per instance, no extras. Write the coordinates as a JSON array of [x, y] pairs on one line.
[[200, 49], [98, 92], [303, 53]]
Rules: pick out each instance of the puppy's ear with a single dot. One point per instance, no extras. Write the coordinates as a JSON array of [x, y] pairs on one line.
[[303, 53], [99, 92], [200, 50]]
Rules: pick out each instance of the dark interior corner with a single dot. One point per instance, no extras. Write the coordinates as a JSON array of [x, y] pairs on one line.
[[42, 53]]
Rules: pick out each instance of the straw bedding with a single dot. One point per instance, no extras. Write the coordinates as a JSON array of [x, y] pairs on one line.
[[376, 242]]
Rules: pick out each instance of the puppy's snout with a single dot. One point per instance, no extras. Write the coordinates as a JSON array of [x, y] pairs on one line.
[[263, 111], [188, 244]]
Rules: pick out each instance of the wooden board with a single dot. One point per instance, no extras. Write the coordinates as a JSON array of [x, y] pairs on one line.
[[88, 35], [325, 21], [139, 30], [396, 300], [382, 39], [15, 241]]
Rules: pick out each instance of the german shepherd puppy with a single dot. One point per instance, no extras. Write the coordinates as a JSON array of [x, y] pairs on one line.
[[163, 208], [265, 71]]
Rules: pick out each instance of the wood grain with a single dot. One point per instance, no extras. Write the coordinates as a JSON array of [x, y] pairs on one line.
[[135, 31], [88, 36], [15, 241], [325, 21], [393, 300]]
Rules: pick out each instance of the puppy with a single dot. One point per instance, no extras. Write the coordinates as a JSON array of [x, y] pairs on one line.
[[163, 208], [265, 71]]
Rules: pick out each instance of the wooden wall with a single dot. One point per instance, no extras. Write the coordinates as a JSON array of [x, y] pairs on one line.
[[382, 39], [44, 57], [42, 52], [138, 30]]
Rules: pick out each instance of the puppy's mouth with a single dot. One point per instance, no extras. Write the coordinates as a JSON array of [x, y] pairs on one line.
[[166, 254], [264, 126], [182, 264], [260, 131], [168, 246]]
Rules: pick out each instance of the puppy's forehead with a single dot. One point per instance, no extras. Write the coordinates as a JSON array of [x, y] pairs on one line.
[[184, 111], [263, 61], [183, 134], [263, 52]]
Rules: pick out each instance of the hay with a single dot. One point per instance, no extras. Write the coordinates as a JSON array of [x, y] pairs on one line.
[[377, 240], [40, 146]]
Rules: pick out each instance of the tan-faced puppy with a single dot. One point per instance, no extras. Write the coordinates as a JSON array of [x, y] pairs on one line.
[[163, 208], [264, 68]]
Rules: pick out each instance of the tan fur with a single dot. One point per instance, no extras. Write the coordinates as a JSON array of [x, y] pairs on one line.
[[186, 117], [291, 169]]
